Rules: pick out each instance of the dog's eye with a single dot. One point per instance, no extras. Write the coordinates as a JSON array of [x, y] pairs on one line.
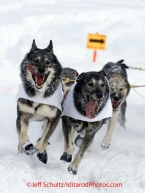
[[47, 62], [102, 85], [36, 60], [90, 84], [121, 89]]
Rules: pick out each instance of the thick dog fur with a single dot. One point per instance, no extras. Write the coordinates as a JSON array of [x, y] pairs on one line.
[[89, 85], [68, 77], [40, 74], [120, 87]]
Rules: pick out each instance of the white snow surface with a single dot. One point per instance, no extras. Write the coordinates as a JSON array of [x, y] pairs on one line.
[[67, 23]]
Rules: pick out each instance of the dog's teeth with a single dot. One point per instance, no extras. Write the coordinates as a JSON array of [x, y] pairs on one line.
[[38, 86]]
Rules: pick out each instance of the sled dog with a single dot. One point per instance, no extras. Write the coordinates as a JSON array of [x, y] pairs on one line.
[[86, 107], [39, 98], [120, 87]]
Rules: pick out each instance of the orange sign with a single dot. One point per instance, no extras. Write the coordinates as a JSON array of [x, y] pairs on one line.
[[96, 42]]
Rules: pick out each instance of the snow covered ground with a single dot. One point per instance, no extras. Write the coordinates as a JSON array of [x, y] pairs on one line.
[[67, 23]]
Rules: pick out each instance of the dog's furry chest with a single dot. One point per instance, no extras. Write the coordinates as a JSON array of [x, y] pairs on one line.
[[43, 111], [37, 111]]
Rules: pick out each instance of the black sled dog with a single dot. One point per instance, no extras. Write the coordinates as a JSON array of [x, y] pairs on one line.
[[39, 98], [86, 107]]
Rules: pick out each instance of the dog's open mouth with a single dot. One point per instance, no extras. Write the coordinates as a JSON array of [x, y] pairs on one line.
[[115, 105], [92, 107], [38, 78]]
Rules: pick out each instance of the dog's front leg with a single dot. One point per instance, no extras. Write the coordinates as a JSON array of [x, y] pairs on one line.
[[24, 112], [122, 114], [110, 128], [68, 139], [87, 140], [85, 144], [43, 141], [22, 127]]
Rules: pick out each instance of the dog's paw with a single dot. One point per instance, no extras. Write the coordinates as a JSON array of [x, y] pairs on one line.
[[73, 169], [42, 156], [105, 146], [29, 148], [78, 140], [66, 157]]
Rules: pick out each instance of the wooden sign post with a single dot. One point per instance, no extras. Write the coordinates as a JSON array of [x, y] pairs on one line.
[[96, 42]]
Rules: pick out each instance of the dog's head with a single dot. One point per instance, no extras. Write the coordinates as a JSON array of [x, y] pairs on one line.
[[119, 89], [95, 89], [117, 67], [68, 77], [40, 67]]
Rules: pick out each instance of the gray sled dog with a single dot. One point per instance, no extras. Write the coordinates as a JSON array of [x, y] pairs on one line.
[[120, 87], [39, 98], [86, 107], [68, 77]]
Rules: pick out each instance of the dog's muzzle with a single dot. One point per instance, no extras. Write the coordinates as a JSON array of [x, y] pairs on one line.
[[115, 99], [39, 79], [93, 105], [115, 104]]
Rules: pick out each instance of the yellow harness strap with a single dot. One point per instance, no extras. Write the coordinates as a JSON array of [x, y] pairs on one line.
[[67, 80]]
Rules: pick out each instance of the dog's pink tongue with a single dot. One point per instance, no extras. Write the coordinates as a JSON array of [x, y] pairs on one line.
[[91, 107], [39, 79], [31, 69], [115, 105]]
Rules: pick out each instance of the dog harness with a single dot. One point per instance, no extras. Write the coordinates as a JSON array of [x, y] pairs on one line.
[[55, 99], [70, 110]]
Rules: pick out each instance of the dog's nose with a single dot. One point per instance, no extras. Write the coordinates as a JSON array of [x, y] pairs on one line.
[[100, 96], [116, 98], [41, 70]]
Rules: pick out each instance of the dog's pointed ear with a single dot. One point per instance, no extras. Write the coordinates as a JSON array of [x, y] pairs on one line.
[[120, 61], [102, 73], [50, 47], [34, 47], [123, 65], [81, 77]]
